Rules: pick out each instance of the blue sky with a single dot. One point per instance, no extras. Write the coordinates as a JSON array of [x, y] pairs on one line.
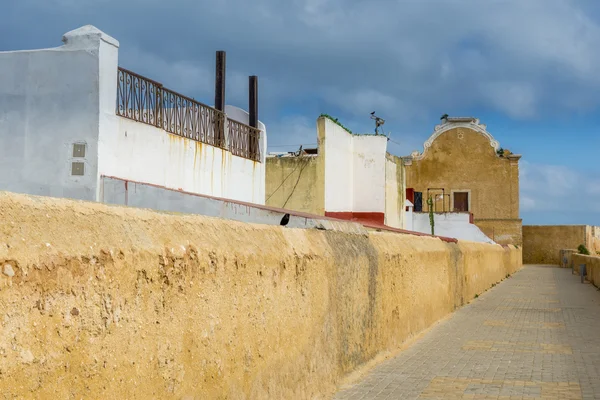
[[529, 69]]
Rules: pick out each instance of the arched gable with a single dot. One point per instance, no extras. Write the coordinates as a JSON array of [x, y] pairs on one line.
[[450, 123]]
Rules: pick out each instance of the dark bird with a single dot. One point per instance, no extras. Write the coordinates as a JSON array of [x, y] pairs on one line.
[[285, 220]]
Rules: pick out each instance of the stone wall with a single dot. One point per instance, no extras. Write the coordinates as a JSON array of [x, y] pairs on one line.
[[542, 243], [101, 299]]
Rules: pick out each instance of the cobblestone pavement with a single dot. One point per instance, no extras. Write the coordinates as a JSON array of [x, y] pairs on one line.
[[535, 335]]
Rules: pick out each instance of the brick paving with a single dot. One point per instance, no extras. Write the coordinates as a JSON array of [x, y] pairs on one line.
[[535, 335]]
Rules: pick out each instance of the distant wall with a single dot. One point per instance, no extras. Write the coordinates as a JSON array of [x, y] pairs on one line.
[[294, 183], [542, 243], [100, 299]]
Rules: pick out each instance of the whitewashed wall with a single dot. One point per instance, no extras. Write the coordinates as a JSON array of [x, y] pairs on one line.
[[147, 154], [369, 154], [454, 225], [54, 98], [354, 170], [339, 168], [51, 99]]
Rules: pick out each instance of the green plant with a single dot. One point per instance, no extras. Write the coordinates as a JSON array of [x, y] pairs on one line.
[[335, 121], [583, 250], [500, 152], [431, 218], [476, 296]]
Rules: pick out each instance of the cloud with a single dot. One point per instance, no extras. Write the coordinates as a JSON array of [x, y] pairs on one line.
[[557, 189]]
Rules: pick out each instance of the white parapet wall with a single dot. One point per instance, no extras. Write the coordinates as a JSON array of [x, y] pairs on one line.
[[453, 225], [60, 134], [355, 174], [50, 115]]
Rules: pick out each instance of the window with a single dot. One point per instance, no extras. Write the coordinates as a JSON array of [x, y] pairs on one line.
[[461, 201]]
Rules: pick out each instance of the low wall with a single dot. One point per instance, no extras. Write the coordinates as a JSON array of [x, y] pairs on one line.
[[144, 195], [101, 299], [592, 266], [542, 243], [502, 231], [565, 256], [456, 225]]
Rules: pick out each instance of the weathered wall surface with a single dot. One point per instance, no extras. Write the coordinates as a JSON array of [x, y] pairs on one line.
[[143, 195], [592, 265], [542, 243], [502, 231], [144, 153], [395, 193], [100, 299], [294, 183], [463, 159]]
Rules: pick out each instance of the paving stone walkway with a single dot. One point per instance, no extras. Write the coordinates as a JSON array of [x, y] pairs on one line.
[[535, 335]]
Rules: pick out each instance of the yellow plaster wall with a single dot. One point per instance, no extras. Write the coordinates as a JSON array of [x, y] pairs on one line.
[[395, 191], [463, 159], [542, 243], [296, 179], [502, 231], [592, 265], [101, 300]]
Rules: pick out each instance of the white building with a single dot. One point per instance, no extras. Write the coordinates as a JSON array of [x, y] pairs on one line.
[[70, 119]]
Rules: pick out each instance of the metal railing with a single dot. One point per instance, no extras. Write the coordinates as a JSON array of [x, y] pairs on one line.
[[243, 140], [147, 101]]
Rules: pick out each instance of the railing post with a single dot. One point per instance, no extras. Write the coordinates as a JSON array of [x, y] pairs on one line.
[[158, 107]]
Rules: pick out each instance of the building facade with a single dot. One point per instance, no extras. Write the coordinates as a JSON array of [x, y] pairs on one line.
[[348, 176], [463, 169], [71, 119]]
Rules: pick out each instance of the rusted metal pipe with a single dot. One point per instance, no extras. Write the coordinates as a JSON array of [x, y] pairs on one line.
[[220, 81], [253, 101]]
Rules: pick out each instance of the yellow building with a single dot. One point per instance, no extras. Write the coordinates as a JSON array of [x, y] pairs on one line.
[[463, 169]]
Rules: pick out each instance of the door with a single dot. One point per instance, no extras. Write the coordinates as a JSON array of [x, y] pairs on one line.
[[461, 201], [418, 202]]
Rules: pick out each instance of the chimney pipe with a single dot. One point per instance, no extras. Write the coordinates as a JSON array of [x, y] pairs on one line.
[[220, 81], [253, 101]]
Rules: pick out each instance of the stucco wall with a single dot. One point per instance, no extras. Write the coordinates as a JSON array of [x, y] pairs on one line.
[[102, 299], [294, 182], [136, 194], [463, 159], [354, 170], [49, 100], [145, 153], [502, 231], [395, 193], [542, 243], [592, 265]]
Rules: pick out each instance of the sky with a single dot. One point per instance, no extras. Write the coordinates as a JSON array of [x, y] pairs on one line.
[[528, 69]]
